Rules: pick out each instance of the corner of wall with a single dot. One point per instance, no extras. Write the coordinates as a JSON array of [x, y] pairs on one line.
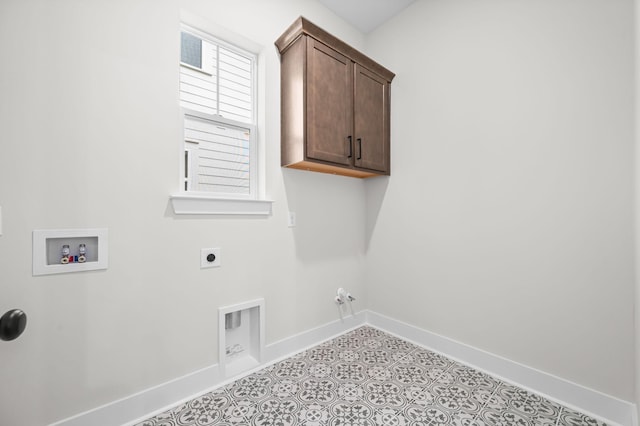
[[637, 207]]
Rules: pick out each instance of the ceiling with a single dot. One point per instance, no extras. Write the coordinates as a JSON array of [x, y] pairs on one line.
[[366, 15]]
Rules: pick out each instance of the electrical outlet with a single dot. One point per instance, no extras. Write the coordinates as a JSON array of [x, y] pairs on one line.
[[291, 220], [210, 258]]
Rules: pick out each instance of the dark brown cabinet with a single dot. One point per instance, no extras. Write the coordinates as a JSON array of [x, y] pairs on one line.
[[329, 113], [335, 105]]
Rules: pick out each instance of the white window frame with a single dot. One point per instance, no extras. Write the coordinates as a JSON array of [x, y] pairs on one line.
[[200, 202]]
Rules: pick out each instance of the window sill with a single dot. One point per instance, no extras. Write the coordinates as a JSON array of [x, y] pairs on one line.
[[204, 205]]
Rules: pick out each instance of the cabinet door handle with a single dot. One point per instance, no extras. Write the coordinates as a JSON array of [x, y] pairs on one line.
[[359, 148], [350, 147]]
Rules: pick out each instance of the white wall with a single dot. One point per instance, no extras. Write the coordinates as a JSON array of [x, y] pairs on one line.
[[637, 202], [507, 223], [90, 132]]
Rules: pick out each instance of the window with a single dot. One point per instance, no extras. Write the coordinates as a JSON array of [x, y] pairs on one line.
[[219, 164], [217, 94]]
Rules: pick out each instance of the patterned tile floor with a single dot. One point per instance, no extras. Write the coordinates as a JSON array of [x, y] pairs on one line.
[[368, 378]]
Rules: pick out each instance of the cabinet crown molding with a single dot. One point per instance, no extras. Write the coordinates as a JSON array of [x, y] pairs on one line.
[[303, 26]]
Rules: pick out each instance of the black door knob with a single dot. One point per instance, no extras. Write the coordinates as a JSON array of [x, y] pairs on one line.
[[12, 324]]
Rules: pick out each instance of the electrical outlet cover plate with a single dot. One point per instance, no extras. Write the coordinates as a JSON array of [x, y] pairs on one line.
[[205, 263]]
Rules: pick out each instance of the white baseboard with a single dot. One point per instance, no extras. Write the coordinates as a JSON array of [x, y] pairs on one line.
[[298, 342], [162, 397], [158, 399], [151, 400], [609, 409]]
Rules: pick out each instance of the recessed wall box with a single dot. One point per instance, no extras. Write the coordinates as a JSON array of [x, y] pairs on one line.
[[241, 337], [58, 251]]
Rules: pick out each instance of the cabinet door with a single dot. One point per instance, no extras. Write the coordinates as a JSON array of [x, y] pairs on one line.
[[329, 104], [371, 108]]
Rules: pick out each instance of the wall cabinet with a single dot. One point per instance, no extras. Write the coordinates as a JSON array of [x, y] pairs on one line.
[[335, 105]]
